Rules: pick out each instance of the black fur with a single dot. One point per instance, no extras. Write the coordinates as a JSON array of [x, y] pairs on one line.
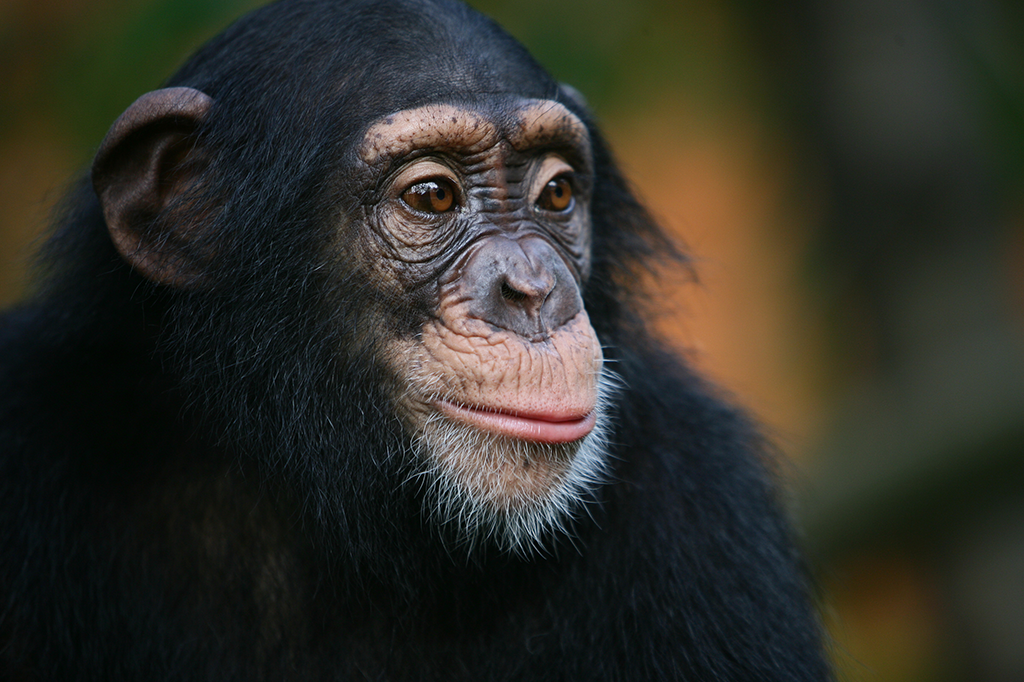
[[206, 483]]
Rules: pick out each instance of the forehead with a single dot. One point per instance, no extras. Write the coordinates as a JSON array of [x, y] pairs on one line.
[[522, 123]]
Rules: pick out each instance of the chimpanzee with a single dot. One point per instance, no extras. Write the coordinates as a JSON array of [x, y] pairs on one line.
[[336, 368]]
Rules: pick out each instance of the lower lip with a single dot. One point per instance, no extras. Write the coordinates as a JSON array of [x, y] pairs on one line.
[[534, 428]]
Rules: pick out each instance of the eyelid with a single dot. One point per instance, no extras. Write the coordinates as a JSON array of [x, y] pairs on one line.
[[551, 168], [436, 187], [424, 171]]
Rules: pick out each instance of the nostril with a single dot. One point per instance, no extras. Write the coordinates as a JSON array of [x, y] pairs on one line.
[[511, 294]]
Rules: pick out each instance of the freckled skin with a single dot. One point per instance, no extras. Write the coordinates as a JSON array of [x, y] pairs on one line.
[[431, 126], [540, 121]]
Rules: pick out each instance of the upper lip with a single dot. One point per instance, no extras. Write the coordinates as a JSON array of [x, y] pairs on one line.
[[539, 426], [550, 417]]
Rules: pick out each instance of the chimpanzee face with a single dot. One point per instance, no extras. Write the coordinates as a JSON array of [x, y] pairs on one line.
[[484, 214]]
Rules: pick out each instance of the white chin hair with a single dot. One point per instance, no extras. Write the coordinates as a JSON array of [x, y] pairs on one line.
[[515, 493]]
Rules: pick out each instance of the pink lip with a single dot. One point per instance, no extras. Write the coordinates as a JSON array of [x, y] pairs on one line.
[[541, 428]]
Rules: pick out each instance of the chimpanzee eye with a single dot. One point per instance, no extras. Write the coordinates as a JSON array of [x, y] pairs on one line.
[[431, 196], [556, 195]]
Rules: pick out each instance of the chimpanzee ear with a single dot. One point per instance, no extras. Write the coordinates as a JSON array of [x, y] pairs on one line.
[[148, 161]]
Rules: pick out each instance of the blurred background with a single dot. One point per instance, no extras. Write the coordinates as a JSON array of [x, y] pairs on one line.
[[849, 176]]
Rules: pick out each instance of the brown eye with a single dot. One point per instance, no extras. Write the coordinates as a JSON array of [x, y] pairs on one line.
[[556, 195], [431, 196]]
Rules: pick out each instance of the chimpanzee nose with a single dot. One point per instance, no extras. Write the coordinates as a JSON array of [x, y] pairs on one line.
[[521, 285]]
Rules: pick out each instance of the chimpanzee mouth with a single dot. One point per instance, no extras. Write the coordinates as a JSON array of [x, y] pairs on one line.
[[536, 427], [518, 478]]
